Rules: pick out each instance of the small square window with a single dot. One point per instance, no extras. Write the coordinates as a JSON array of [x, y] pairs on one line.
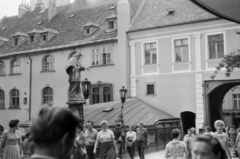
[[44, 37], [25, 101], [150, 89], [31, 38], [88, 31], [16, 41], [111, 25]]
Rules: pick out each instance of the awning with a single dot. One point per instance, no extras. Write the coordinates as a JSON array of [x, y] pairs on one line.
[[134, 110]]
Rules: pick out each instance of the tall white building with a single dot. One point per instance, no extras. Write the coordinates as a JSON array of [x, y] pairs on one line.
[[46, 3]]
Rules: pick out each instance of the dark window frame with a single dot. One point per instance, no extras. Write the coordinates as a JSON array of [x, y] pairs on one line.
[[182, 46], [216, 45], [149, 52], [101, 96], [14, 98], [16, 41], [150, 92], [15, 63], [236, 100], [47, 95], [2, 99], [48, 63], [2, 68]]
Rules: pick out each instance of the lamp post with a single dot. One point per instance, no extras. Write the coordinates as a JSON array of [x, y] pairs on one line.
[[123, 93], [86, 86]]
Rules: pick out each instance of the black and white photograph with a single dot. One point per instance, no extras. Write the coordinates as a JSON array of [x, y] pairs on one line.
[[119, 79]]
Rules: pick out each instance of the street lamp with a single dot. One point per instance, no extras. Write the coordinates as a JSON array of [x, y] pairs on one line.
[[86, 86], [123, 93]]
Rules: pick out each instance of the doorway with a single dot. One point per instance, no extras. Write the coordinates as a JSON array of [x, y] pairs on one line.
[[236, 121], [188, 120]]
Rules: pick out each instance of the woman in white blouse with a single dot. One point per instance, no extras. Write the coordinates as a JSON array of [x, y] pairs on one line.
[[130, 141], [107, 140]]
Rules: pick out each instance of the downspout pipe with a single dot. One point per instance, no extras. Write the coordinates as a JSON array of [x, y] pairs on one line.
[[30, 89]]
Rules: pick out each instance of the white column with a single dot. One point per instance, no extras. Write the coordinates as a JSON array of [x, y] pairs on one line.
[[199, 101], [133, 70], [198, 52]]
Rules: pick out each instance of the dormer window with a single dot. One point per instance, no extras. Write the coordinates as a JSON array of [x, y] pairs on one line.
[[90, 28], [16, 41], [88, 31], [47, 34], [3, 40], [44, 37], [111, 24], [31, 38]]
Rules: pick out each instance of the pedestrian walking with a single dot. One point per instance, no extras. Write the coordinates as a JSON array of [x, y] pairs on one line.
[[28, 146], [188, 139], [119, 138], [142, 140], [176, 149], [208, 130], [237, 145], [131, 137], [232, 135], [11, 142], [79, 150], [108, 147], [53, 132], [222, 137], [207, 146], [91, 137]]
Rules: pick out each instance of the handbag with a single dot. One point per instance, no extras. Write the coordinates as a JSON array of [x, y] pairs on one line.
[[129, 144]]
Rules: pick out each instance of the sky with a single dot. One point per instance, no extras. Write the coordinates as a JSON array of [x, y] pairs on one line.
[[9, 7]]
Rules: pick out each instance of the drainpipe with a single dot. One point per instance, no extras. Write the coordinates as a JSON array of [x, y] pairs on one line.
[[30, 88]]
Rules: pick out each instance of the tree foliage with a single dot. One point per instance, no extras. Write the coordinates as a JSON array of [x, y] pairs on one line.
[[229, 62]]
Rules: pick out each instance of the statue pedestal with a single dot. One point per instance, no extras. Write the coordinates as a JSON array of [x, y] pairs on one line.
[[76, 106]]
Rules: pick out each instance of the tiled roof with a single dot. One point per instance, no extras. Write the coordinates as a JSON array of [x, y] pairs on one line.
[[134, 111], [70, 28], [154, 14]]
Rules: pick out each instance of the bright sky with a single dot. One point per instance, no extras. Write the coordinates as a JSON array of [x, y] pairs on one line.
[[9, 7]]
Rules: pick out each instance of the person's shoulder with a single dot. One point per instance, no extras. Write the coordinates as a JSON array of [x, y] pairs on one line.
[[94, 130]]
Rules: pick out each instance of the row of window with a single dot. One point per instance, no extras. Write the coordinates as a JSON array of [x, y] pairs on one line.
[[47, 97], [99, 94], [181, 49], [100, 56]]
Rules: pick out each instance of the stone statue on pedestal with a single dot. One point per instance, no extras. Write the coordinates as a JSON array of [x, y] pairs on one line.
[[73, 70]]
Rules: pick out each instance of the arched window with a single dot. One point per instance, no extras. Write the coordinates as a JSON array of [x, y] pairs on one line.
[[47, 95], [2, 68], [48, 63], [2, 99], [14, 97], [15, 66]]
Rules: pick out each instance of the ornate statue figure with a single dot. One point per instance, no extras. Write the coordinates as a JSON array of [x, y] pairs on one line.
[[73, 70]]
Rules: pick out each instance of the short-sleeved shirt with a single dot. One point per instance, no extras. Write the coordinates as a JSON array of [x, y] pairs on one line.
[[131, 135], [142, 134], [105, 136], [223, 138], [176, 149], [90, 137]]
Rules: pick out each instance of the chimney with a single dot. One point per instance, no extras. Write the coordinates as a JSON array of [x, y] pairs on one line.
[[52, 10], [22, 9]]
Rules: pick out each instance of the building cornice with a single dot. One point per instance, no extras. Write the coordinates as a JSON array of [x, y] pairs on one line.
[[54, 48]]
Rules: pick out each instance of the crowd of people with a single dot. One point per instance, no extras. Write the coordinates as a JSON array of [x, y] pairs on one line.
[[57, 134], [209, 145]]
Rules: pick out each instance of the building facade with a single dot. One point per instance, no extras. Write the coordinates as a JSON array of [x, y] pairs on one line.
[[35, 49], [174, 52]]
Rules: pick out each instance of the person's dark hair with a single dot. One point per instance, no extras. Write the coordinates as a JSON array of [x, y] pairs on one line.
[[51, 124], [79, 126], [208, 128], [1, 128], [90, 122], [214, 142], [13, 123], [175, 133]]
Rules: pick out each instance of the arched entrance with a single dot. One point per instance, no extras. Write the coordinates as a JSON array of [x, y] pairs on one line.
[[188, 120], [214, 94]]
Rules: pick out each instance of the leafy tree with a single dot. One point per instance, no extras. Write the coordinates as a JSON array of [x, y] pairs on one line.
[[230, 62]]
